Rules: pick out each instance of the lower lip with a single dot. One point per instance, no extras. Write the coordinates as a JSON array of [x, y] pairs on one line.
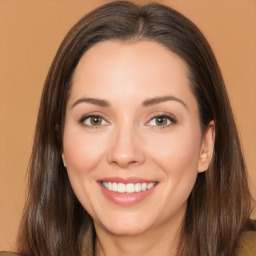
[[126, 198]]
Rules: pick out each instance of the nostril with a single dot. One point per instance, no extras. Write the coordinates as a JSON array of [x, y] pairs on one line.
[[125, 150], [134, 163], [124, 163]]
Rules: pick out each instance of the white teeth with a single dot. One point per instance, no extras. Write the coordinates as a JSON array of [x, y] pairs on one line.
[[109, 185], [121, 188], [105, 184], [144, 186], [114, 187], [130, 188], [137, 187], [150, 185], [127, 188]]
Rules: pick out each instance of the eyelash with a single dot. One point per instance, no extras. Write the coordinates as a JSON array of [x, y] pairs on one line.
[[170, 118]]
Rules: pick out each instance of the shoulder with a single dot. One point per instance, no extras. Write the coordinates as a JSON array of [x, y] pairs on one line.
[[247, 244], [9, 254]]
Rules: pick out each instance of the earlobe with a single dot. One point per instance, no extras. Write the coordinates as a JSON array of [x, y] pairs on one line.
[[203, 162], [207, 148]]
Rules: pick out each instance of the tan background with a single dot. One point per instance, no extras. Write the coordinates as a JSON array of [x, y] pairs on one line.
[[31, 31]]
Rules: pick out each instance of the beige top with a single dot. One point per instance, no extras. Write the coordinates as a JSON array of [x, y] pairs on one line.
[[247, 245]]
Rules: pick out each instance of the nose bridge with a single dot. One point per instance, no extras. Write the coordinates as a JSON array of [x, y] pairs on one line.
[[126, 147]]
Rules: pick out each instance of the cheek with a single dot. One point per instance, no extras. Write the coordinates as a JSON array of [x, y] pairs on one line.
[[82, 151], [83, 154], [180, 149], [177, 156]]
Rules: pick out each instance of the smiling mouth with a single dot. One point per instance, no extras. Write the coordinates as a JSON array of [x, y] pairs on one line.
[[128, 188]]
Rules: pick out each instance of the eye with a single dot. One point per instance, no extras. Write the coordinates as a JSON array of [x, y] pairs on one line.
[[161, 120], [93, 120]]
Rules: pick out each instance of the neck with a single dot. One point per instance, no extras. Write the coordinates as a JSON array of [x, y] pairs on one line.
[[158, 241]]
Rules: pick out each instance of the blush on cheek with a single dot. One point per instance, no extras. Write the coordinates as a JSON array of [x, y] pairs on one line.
[[177, 151], [82, 159], [82, 150]]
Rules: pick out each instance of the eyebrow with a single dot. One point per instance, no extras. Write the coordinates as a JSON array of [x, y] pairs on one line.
[[157, 100], [97, 102], [145, 103]]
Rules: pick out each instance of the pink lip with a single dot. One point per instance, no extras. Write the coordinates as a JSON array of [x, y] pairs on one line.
[[126, 199]]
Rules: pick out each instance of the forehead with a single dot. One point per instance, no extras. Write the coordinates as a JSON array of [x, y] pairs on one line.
[[139, 70]]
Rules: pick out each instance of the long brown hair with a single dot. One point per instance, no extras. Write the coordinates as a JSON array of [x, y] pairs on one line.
[[218, 210]]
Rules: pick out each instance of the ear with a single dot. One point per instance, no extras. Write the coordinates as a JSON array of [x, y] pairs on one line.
[[57, 130], [207, 148], [63, 159]]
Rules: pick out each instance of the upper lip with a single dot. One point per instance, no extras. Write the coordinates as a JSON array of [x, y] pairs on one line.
[[126, 180]]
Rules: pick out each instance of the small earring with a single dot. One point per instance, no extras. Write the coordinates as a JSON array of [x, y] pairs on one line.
[[203, 164]]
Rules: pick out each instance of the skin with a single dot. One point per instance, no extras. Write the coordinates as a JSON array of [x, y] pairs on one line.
[[129, 142]]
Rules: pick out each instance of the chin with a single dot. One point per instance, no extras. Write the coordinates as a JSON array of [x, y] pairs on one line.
[[124, 225], [121, 230]]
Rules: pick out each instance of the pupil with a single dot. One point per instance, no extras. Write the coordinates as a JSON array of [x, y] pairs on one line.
[[96, 120], [161, 120]]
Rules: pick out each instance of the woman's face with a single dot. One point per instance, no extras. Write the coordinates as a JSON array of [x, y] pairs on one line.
[[132, 141]]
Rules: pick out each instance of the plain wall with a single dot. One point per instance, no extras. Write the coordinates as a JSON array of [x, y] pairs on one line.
[[30, 33]]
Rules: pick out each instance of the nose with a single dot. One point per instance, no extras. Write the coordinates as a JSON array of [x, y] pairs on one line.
[[126, 148]]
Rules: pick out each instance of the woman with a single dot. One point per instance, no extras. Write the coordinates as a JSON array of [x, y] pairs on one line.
[[136, 151]]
